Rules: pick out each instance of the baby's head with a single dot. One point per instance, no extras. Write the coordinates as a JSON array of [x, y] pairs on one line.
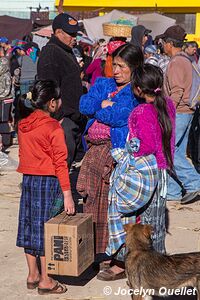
[[4, 65]]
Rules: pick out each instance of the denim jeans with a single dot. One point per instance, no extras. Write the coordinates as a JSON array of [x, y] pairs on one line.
[[183, 167], [25, 86]]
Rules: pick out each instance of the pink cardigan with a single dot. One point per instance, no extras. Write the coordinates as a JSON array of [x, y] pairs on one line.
[[143, 124]]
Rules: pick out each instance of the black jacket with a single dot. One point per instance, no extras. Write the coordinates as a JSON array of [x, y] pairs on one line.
[[58, 63]]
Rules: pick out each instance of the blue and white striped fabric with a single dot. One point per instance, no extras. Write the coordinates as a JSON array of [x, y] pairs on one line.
[[132, 184]]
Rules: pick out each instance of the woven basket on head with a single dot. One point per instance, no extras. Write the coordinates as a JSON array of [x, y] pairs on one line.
[[111, 29]]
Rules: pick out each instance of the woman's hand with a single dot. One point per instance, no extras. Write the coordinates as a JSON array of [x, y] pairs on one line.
[[106, 103], [69, 206]]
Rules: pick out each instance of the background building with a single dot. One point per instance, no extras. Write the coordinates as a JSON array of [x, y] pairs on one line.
[[22, 8]]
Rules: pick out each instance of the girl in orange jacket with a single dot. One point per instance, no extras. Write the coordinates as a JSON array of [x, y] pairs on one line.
[[42, 160]]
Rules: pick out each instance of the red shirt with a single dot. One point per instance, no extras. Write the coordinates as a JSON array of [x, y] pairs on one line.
[[42, 148]]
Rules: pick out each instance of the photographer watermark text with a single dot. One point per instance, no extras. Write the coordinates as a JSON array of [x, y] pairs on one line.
[[163, 291]]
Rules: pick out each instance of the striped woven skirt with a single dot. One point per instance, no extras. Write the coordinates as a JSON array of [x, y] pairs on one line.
[[39, 194], [93, 186], [154, 213]]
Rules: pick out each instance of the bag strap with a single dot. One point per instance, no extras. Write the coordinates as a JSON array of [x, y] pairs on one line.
[[173, 174], [182, 137], [127, 138], [184, 56]]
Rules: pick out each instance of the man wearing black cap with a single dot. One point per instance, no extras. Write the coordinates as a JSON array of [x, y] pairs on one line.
[[58, 63], [177, 84]]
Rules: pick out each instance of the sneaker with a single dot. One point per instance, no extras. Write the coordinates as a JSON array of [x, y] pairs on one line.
[[189, 197], [175, 199], [3, 159], [7, 163]]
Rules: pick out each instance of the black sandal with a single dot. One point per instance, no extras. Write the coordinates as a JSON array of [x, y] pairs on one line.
[[32, 285], [57, 289], [109, 275]]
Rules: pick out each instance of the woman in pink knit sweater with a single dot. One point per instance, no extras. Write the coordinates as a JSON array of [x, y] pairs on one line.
[[96, 67], [153, 123]]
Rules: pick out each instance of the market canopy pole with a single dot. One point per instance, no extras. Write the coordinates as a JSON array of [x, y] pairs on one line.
[[60, 7]]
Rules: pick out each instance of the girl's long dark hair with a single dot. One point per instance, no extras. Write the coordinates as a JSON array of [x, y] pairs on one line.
[[149, 79], [42, 92]]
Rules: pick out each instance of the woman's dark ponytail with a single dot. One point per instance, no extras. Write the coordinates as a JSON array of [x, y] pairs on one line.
[[42, 92]]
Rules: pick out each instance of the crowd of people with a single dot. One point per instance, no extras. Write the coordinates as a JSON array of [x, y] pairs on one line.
[[18, 63], [120, 107]]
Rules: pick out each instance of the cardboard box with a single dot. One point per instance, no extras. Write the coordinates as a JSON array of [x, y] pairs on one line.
[[69, 244]]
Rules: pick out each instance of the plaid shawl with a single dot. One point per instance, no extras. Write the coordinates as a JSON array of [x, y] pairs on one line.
[[132, 185]]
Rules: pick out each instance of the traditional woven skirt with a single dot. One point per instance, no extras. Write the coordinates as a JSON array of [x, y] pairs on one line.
[[36, 204], [93, 186], [154, 213]]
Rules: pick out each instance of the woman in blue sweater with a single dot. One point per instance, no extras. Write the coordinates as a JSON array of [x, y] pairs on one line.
[[108, 104]]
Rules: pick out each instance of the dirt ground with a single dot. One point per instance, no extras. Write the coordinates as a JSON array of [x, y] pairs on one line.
[[183, 236]]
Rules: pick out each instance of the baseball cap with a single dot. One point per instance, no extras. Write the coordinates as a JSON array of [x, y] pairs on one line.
[[147, 31], [3, 39], [65, 22], [18, 43], [175, 32]]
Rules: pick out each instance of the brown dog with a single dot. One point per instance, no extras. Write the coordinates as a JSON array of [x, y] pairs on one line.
[[151, 273]]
